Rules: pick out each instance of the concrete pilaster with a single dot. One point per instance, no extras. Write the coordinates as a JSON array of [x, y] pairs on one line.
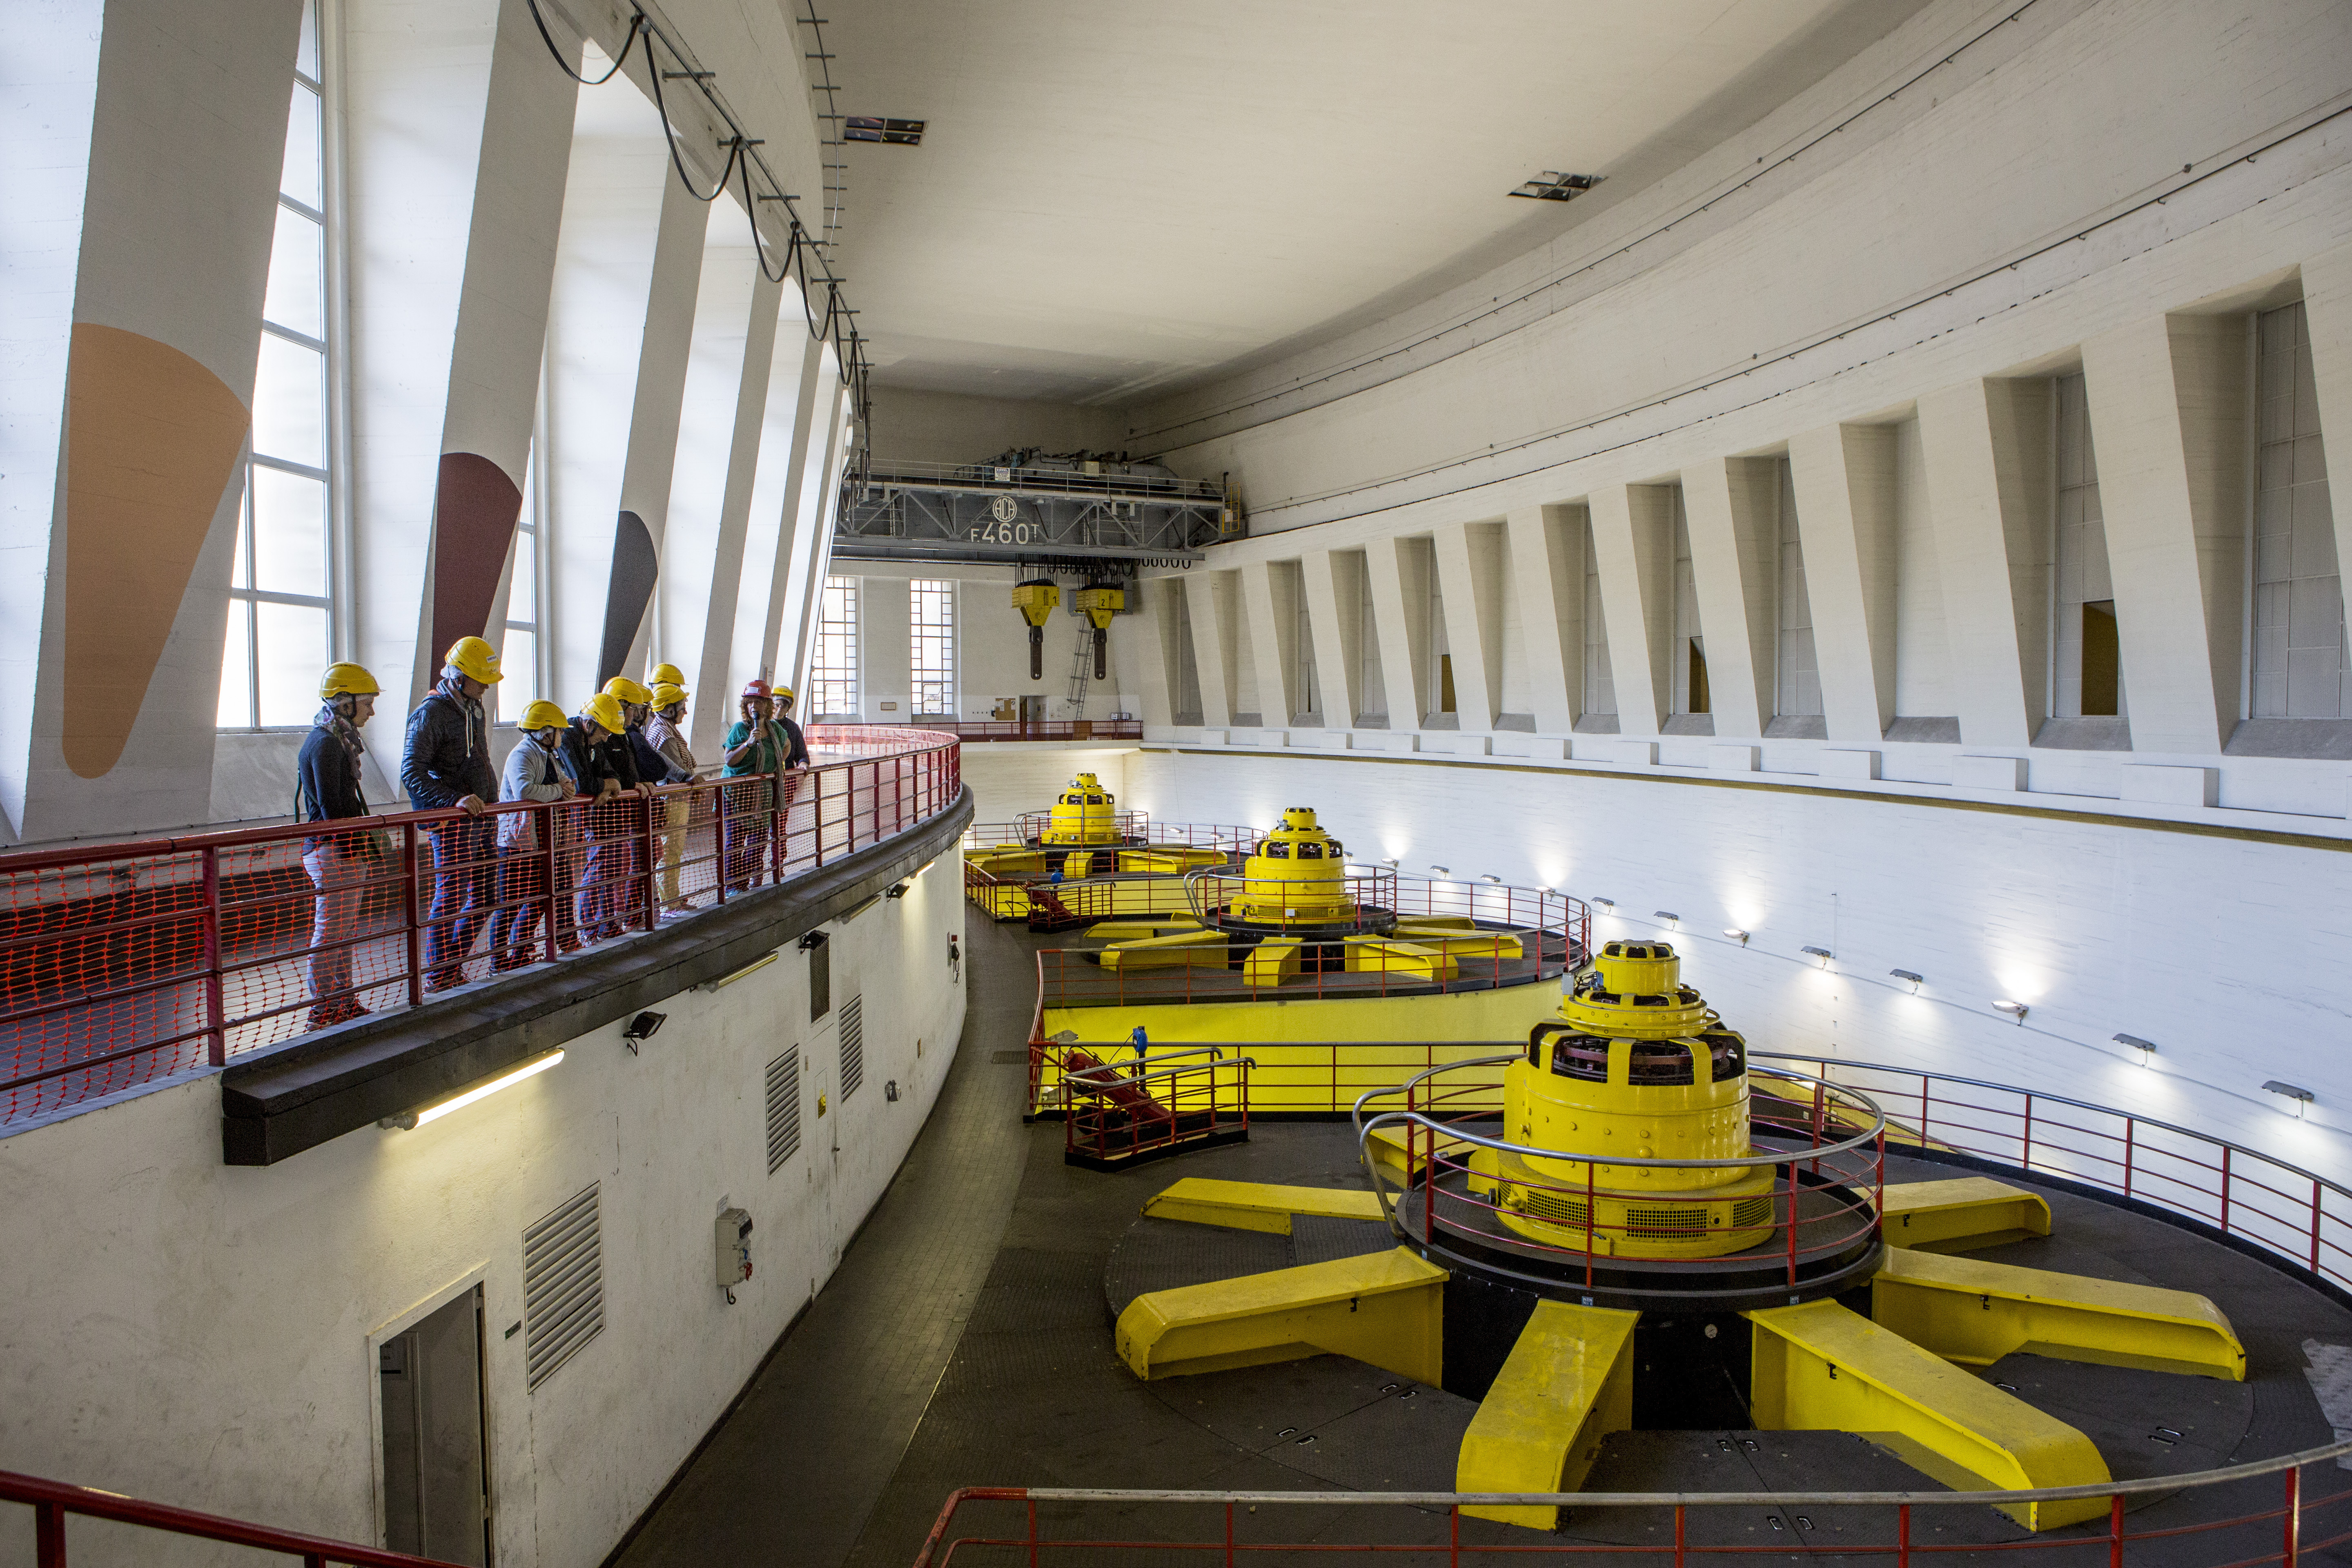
[[654, 417], [792, 461], [1844, 479], [1266, 599], [1469, 561], [813, 556], [2327, 318], [1986, 445], [1548, 575], [1334, 617], [714, 596], [1209, 600], [1397, 571], [2168, 405], [1145, 642], [1730, 507], [1634, 541]]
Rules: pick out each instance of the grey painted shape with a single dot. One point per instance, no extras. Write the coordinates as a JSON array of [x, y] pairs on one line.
[[636, 564]]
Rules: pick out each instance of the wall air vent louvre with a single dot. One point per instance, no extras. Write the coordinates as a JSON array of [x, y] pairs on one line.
[[784, 1109], [852, 1045], [563, 1285]]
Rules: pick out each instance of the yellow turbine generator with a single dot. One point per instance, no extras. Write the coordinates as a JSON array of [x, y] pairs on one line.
[[1084, 813], [1636, 1066]]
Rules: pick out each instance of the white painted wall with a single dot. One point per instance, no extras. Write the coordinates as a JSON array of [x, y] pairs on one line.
[[184, 1332], [911, 426], [2226, 952]]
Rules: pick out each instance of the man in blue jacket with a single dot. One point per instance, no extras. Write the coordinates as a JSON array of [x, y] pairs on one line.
[[445, 764]]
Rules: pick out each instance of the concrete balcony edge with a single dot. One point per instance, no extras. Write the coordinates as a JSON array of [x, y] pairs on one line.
[[278, 1103]]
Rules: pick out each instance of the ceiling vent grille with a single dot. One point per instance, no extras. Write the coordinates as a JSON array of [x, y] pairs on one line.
[[784, 1109], [853, 1046], [563, 1285]]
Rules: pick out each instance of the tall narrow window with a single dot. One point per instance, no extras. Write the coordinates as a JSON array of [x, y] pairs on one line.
[[2299, 662], [2088, 679], [519, 649], [834, 672], [278, 627], [1188, 661], [930, 602], [1798, 678], [1440, 651]]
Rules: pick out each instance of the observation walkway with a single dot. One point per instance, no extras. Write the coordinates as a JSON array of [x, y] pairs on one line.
[[123, 964]]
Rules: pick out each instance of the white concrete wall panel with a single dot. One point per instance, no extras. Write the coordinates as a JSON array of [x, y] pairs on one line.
[[1547, 573], [1469, 562], [1397, 571], [1335, 620], [779, 472], [1634, 540], [1985, 445], [2328, 315], [656, 415], [716, 597], [1844, 479], [1732, 508]]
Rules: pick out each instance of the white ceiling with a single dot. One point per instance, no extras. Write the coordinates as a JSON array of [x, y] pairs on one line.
[[1117, 196]]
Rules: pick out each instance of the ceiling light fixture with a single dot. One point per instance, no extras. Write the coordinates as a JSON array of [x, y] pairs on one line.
[[1551, 186], [408, 1120], [2017, 1010], [899, 132]]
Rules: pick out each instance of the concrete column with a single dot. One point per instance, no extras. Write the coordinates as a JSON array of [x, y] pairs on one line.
[[140, 145], [1844, 479], [815, 561], [599, 328], [2168, 403], [1396, 571], [1469, 559], [643, 528], [1145, 642], [496, 322], [1633, 541], [1208, 599], [1334, 617], [789, 451], [1273, 640], [1731, 506], [725, 581], [1987, 448], [2327, 316], [1548, 575]]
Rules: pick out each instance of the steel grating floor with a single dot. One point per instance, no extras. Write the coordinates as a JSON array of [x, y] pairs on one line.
[[966, 1341]]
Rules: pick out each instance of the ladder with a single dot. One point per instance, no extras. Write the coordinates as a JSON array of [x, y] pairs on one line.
[[1082, 670]]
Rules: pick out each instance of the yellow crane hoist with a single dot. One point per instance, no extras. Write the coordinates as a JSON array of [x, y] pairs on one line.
[[1035, 600], [1098, 603]]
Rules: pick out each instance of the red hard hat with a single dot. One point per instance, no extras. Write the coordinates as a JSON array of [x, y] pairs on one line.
[[757, 688]]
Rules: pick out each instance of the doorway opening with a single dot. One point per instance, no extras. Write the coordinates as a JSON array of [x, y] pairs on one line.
[[436, 1499]]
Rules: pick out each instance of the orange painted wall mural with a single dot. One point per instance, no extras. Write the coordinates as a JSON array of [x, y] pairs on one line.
[[152, 441]]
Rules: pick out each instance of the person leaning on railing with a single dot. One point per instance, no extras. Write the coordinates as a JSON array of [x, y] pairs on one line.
[[606, 771], [537, 770], [759, 743], [665, 732], [327, 789], [447, 763]]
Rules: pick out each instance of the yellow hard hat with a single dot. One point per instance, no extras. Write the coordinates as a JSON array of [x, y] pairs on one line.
[[668, 693], [783, 694], [544, 715], [605, 710], [669, 675], [473, 658], [347, 680], [628, 691]]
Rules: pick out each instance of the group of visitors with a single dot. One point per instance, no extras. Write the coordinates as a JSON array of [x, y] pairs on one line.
[[494, 872]]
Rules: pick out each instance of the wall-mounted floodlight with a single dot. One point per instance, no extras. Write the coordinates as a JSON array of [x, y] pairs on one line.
[[1824, 953], [2147, 1048], [2017, 1010], [643, 1027], [899, 890], [1609, 904], [1736, 934], [1390, 861], [408, 1120], [2295, 1091], [1490, 876], [1443, 870], [1913, 975], [1668, 915]]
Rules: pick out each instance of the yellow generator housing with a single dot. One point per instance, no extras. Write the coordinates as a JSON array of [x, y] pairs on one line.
[[1298, 878], [1636, 1066], [1084, 813]]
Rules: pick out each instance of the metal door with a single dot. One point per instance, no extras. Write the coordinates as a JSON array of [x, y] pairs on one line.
[[436, 1496]]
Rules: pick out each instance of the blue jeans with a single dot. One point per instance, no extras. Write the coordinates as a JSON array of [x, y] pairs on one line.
[[465, 888]]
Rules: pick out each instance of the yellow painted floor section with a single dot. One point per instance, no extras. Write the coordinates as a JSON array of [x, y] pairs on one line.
[[1257, 1206], [1568, 1383], [1969, 1310], [1819, 1367], [1964, 1213], [1385, 1309]]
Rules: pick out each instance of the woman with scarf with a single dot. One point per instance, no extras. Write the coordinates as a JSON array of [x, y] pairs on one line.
[[326, 789]]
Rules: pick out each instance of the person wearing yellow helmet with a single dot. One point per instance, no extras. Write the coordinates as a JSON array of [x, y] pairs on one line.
[[665, 734], [606, 768], [537, 771], [667, 675], [637, 708], [328, 788], [447, 764]]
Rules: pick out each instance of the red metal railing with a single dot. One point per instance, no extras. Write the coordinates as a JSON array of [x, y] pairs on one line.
[[1823, 1152], [2311, 1515], [1153, 835], [123, 964], [53, 1502], [1039, 728], [1164, 1099]]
